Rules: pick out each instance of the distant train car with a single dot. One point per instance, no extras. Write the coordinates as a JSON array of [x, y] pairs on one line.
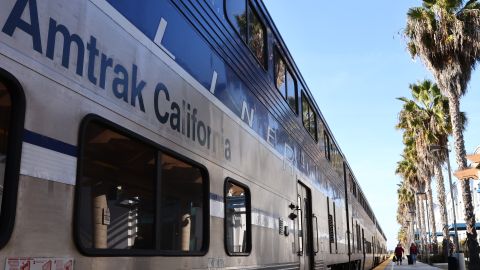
[[164, 134]]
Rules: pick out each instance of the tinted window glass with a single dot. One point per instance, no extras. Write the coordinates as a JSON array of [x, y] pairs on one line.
[[247, 23], [280, 75], [326, 140], [135, 197], [309, 118], [117, 191], [291, 91], [305, 112], [181, 205], [237, 218], [331, 150], [320, 132], [285, 82], [256, 36], [237, 15], [5, 114]]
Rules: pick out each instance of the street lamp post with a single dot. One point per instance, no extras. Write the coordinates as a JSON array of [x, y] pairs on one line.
[[433, 148]]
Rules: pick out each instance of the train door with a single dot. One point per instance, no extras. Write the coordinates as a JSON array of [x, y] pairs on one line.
[[304, 224]]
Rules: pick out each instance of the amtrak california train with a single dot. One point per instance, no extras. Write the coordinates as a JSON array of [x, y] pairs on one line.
[[167, 134]]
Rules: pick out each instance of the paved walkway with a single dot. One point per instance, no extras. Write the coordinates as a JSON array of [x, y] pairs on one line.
[[389, 265]]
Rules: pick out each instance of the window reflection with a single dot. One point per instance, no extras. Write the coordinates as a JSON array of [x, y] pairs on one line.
[[133, 196], [248, 25], [327, 145], [117, 187], [309, 117], [5, 113], [237, 15], [291, 92], [285, 82], [181, 205], [256, 37], [280, 75], [237, 218]]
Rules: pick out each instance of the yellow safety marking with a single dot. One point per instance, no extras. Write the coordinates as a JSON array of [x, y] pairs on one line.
[[384, 264]]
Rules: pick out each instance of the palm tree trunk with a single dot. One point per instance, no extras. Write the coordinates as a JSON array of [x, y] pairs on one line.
[[423, 230], [433, 226], [442, 203], [460, 156]]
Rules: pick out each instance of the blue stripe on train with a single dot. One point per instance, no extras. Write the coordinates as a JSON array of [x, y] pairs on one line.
[[49, 143]]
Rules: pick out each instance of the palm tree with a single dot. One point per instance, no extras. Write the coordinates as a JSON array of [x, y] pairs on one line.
[[433, 126], [407, 169], [444, 34], [402, 236], [414, 119], [406, 204]]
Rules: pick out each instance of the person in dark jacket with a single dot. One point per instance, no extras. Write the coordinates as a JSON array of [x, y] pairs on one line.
[[399, 254], [413, 253]]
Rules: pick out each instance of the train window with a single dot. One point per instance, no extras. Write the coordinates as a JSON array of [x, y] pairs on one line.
[[352, 234], [181, 205], [237, 15], [237, 218], [332, 149], [248, 25], [280, 74], [291, 91], [353, 186], [256, 36], [326, 140], [134, 199], [285, 82], [5, 114], [363, 241], [359, 239], [12, 112], [334, 157], [309, 117]]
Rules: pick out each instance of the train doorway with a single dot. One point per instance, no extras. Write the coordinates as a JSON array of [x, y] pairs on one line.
[[304, 225]]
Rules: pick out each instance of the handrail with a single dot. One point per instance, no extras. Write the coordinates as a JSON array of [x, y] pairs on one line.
[[316, 232]]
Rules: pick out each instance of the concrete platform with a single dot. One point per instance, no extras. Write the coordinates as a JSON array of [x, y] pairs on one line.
[[389, 265]]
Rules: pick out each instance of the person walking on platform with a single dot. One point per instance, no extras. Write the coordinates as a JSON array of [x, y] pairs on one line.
[[413, 253], [399, 254]]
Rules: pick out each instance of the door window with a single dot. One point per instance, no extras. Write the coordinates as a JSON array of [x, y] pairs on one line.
[[237, 218]]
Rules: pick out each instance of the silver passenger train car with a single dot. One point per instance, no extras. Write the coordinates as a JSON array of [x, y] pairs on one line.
[[167, 134]]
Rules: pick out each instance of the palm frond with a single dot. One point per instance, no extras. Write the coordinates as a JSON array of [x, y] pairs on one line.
[[429, 3], [471, 5], [416, 13]]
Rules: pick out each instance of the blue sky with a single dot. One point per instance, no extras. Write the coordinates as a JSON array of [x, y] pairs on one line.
[[352, 55]]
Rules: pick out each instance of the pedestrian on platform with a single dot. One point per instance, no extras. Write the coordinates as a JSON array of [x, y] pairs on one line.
[[399, 254], [450, 248], [413, 253]]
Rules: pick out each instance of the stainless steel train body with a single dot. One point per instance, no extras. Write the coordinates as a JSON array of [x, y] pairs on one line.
[[167, 135]]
